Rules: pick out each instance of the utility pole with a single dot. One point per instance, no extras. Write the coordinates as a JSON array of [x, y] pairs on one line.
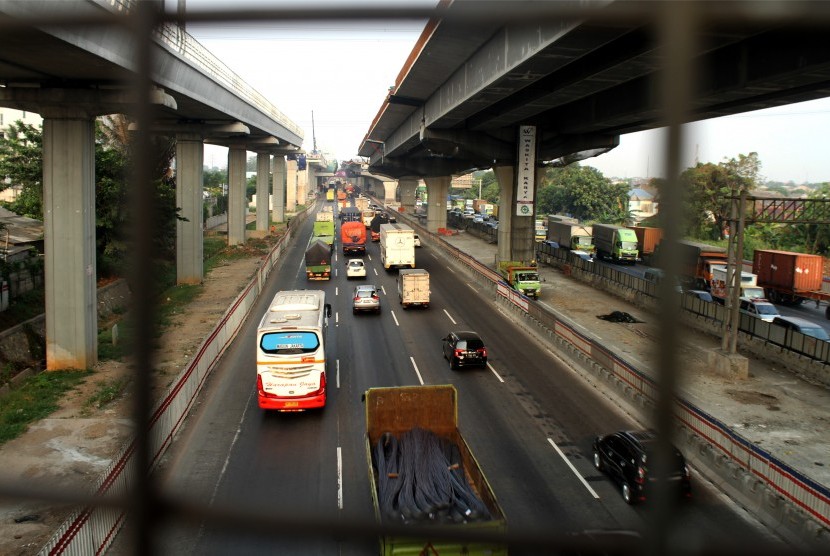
[[313, 135]]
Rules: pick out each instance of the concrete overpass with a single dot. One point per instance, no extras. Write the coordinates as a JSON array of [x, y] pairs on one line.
[[74, 60], [479, 93]]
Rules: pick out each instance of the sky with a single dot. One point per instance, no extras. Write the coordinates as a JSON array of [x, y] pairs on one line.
[[342, 71]]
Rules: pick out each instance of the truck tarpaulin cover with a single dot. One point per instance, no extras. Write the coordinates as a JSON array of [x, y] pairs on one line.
[[318, 253], [377, 221]]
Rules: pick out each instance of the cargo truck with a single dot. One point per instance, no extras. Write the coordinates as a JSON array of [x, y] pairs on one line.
[[647, 241], [324, 230], [696, 262], [318, 260], [353, 238], [789, 278], [720, 286], [397, 245], [616, 243], [362, 203], [571, 235], [350, 214], [522, 277], [409, 414], [413, 287]]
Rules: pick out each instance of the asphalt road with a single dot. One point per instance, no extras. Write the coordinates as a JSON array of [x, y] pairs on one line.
[[528, 419]]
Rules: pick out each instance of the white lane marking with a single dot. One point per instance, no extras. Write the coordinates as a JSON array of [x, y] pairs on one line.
[[339, 478], [336, 290], [376, 271], [301, 268], [417, 372], [383, 290], [469, 285], [449, 317], [582, 480], [337, 318], [337, 363], [489, 366], [394, 317], [370, 257], [450, 269], [233, 442], [335, 272]]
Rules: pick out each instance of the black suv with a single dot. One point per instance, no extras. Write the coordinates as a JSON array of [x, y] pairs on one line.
[[624, 456], [463, 348]]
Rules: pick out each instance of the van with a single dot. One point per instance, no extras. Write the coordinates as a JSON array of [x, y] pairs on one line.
[[802, 325]]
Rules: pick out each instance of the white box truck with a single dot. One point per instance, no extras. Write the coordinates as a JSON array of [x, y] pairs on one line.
[[413, 287], [397, 245]]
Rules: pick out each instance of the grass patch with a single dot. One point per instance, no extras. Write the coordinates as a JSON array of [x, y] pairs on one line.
[[106, 392], [35, 399]]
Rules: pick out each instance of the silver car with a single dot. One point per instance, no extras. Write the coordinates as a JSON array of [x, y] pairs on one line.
[[366, 298]]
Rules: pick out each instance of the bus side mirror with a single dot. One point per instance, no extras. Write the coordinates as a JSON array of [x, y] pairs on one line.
[[328, 310]]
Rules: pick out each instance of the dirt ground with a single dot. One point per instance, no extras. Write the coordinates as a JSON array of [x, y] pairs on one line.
[[76, 444]]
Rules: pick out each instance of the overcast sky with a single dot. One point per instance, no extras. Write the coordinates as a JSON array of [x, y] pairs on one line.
[[342, 71]]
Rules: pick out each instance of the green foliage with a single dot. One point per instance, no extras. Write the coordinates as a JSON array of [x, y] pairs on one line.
[[214, 178], [23, 307], [106, 392], [21, 161], [584, 193], [35, 399]]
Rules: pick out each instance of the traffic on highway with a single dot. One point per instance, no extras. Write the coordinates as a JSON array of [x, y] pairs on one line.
[[530, 420]]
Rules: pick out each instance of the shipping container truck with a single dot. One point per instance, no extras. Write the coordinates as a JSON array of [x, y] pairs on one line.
[[353, 238], [422, 419], [789, 278], [522, 277], [571, 235], [413, 287], [397, 245], [616, 243], [318, 260], [647, 241]]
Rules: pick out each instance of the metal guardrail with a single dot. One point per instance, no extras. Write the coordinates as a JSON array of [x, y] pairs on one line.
[[790, 340]]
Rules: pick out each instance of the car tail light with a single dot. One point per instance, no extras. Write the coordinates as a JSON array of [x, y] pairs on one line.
[[482, 352], [641, 474], [374, 296], [357, 298], [459, 352]]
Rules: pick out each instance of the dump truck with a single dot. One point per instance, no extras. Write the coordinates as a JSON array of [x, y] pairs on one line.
[[397, 245], [522, 277], [616, 243], [571, 235], [647, 241], [413, 287], [410, 417], [317, 260], [353, 238], [790, 278], [374, 225], [697, 261]]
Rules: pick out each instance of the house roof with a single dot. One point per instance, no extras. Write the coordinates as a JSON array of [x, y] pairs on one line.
[[21, 229], [640, 194]]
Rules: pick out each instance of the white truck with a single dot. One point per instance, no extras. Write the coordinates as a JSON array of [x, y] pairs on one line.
[[720, 288], [397, 245], [413, 287]]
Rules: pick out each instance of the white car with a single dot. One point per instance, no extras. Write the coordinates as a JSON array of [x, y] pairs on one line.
[[355, 269], [417, 241]]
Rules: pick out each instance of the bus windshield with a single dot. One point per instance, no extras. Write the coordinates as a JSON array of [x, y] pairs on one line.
[[275, 343]]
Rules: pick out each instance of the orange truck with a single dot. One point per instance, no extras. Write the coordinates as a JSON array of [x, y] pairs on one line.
[[353, 238]]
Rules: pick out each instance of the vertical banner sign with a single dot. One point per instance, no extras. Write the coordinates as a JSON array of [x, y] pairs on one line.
[[526, 174]]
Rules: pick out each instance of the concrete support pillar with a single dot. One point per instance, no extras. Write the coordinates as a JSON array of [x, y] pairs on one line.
[[69, 242], [291, 186], [278, 209], [302, 186], [237, 202], [437, 191], [389, 189], [523, 229], [505, 175], [190, 157], [263, 175], [407, 187]]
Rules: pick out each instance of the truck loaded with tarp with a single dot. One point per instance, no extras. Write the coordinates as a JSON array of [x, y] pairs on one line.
[[318, 260], [422, 472], [353, 238]]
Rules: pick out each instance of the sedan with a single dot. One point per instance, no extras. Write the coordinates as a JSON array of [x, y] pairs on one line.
[[625, 456], [366, 298], [355, 269], [464, 348], [417, 241]]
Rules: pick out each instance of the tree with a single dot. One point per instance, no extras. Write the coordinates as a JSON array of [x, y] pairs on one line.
[[584, 193], [706, 188], [21, 165]]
